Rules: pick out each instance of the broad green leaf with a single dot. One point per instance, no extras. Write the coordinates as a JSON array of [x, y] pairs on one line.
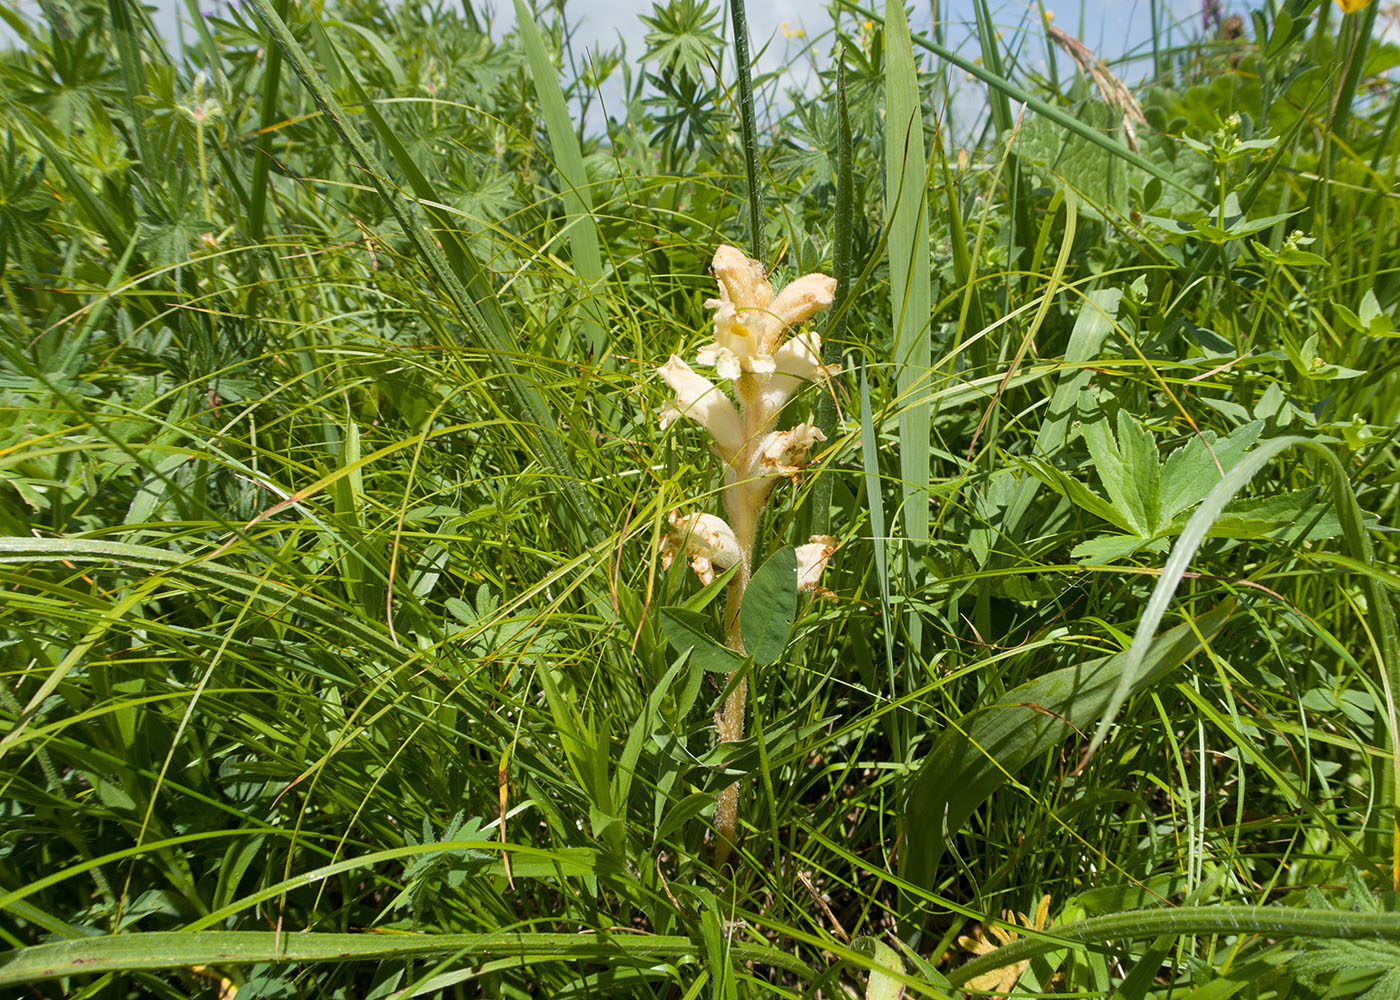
[[687, 631], [885, 960], [985, 748], [770, 607]]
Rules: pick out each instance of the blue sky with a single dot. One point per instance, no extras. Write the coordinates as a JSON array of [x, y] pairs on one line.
[[1107, 27]]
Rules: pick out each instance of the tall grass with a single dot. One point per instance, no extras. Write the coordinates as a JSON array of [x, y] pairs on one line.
[[338, 656]]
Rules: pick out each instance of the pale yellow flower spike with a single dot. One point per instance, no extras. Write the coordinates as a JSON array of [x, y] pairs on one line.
[[760, 347]]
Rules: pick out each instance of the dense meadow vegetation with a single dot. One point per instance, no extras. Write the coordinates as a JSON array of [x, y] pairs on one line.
[[350, 645]]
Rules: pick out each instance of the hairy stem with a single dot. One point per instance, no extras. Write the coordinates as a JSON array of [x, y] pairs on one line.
[[743, 508]]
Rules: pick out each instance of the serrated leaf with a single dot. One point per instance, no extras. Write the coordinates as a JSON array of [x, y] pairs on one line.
[[1105, 549], [770, 607], [1191, 471], [1127, 466], [1080, 495]]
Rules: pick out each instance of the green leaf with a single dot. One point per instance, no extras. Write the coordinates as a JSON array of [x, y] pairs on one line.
[[985, 748], [1104, 549], [179, 949], [770, 607], [568, 157], [1374, 323], [884, 961], [1080, 495], [1127, 466], [1191, 471], [686, 632]]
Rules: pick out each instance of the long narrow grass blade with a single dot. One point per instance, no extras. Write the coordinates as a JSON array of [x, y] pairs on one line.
[[568, 158], [835, 334], [175, 949], [750, 128], [906, 214]]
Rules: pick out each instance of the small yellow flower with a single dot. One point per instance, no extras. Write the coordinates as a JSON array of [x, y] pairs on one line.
[[1000, 982], [1352, 6]]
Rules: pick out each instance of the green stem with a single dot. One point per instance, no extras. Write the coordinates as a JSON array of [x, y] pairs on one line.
[[750, 127]]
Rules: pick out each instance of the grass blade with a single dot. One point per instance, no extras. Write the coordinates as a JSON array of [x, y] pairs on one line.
[[568, 157], [750, 127], [906, 214]]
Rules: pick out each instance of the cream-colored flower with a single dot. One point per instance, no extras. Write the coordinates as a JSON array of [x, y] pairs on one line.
[[702, 401], [749, 321], [784, 453], [811, 562], [706, 540]]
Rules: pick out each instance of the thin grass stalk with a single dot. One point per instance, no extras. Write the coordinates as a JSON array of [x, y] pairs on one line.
[[841, 270], [267, 117], [750, 128]]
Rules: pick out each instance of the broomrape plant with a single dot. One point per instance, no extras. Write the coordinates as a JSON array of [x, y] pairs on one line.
[[753, 349]]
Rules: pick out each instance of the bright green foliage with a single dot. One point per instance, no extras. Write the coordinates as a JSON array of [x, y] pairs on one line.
[[336, 655]]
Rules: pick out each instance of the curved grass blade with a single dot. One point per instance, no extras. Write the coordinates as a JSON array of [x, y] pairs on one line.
[[1381, 610], [1269, 921], [986, 748]]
